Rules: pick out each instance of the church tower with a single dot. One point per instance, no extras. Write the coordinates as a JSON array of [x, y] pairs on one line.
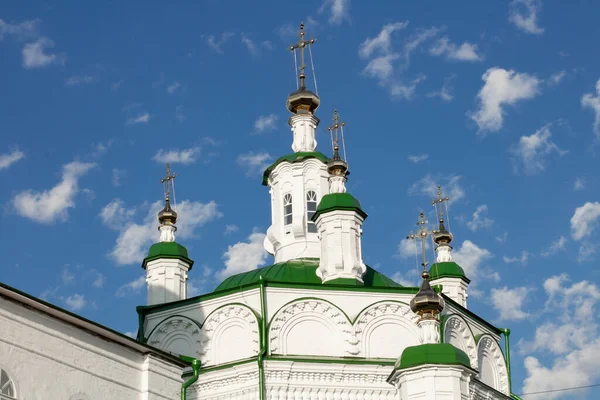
[[167, 263], [299, 180]]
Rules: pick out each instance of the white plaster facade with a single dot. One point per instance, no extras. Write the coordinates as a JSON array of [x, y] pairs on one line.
[[167, 280], [49, 354]]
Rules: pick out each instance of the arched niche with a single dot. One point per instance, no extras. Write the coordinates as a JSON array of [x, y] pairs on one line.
[[384, 330], [178, 334], [491, 364], [309, 327], [458, 334]]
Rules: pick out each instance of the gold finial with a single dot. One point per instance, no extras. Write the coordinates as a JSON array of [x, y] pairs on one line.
[[439, 201], [300, 46], [167, 180], [422, 234], [334, 133]]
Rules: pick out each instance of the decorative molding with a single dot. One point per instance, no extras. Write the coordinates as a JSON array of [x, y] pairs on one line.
[[487, 347], [456, 328], [174, 328]]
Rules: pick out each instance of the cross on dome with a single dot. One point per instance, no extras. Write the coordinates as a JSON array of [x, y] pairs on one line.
[[301, 45]]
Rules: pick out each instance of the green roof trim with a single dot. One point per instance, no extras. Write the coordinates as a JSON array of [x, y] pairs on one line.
[[338, 201], [167, 250], [293, 158], [447, 270], [435, 353], [301, 271]]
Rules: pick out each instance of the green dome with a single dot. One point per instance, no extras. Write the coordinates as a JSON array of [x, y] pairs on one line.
[[302, 271], [292, 158], [167, 250], [447, 270], [435, 353], [338, 201]]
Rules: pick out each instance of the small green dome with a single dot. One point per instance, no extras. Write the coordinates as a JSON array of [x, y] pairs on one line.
[[300, 271], [434, 353], [338, 201], [293, 158], [447, 270], [167, 250]]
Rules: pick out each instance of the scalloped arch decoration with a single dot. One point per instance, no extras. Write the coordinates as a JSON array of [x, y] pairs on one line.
[[491, 364], [384, 329], [458, 334], [178, 334]]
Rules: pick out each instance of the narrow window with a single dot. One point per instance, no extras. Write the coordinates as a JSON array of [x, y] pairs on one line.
[[311, 207], [287, 209], [7, 387]]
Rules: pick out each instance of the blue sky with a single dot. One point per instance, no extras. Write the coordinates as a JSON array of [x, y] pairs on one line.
[[496, 101]]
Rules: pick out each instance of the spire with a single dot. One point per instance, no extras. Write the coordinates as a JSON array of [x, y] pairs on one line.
[[442, 237], [303, 100], [167, 217], [337, 167], [426, 303]]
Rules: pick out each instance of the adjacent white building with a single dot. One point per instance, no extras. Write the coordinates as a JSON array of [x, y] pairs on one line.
[[317, 324]]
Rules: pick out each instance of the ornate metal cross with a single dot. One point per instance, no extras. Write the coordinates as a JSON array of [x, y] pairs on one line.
[[166, 180], [439, 201], [333, 132], [302, 43], [422, 234]]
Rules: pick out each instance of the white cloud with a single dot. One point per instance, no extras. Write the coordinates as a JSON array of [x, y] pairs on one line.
[[585, 220], [408, 248], [471, 257], [252, 47], [523, 13], [52, 205], [79, 80], [417, 158], [556, 78], [502, 238], [231, 228], [265, 123], [76, 302], [117, 176], [522, 259], [134, 239], [501, 88], [409, 279], [99, 281], [6, 160], [34, 55], [579, 184], [382, 42], [445, 93], [427, 186], [114, 215], [142, 118], [215, 44], [173, 87], [26, 29], [478, 220], [133, 287], [186, 156], [587, 250], [555, 247], [532, 150], [588, 100], [340, 10], [67, 276], [244, 256], [254, 162], [465, 52], [509, 303], [569, 341]]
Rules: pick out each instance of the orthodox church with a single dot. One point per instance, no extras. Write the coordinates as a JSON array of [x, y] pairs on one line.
[[317, 324]]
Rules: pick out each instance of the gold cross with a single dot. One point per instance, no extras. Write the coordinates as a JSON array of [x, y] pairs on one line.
[[439, 201], [301, 45], [422, 234], [168, 178]]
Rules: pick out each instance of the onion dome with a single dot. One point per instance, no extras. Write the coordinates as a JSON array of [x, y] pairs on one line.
[[427, 303], [336, 166], [303, 101], [442, 236], [167, 216]]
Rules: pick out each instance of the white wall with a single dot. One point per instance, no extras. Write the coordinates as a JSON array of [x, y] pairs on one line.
[[48, 359]]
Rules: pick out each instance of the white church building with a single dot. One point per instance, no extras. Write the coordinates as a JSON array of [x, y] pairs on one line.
[[317, 324]]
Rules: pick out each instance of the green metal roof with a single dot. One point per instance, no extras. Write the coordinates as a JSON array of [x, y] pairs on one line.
[[167, 250], [447, 269], [338, 201], [298, 271], [293, 158], [435, 353]]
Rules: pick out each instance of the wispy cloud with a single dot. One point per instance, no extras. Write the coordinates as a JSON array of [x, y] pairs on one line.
[[579, 184], [339, 10], [465, 52], [479, 220], [244, 256], [501, 88], [427, 186], [35, 54], [142, 118], [254, 162], [217, 44], [117, 176], [174, 87], [76, 80], [532, 151], [229, 229], [417, 158], [523, 258], [556, 78], [555, 247], [588, 100], [76, 302], [8, 159], [445, 93], [52, 205], [265, 123], [524, 15], [133, 287], [179, 115], [185, 156], [22, 30]]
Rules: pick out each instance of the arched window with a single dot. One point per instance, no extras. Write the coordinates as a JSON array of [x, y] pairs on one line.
[[7, 387], [311, 207], [287, 209]]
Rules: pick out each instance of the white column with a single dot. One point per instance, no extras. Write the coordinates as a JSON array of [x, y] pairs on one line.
[[167, 280], [304, 127]]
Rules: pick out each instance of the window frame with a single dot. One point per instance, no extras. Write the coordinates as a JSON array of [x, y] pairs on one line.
[[10, 383], [311, 227], [288, 200]]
